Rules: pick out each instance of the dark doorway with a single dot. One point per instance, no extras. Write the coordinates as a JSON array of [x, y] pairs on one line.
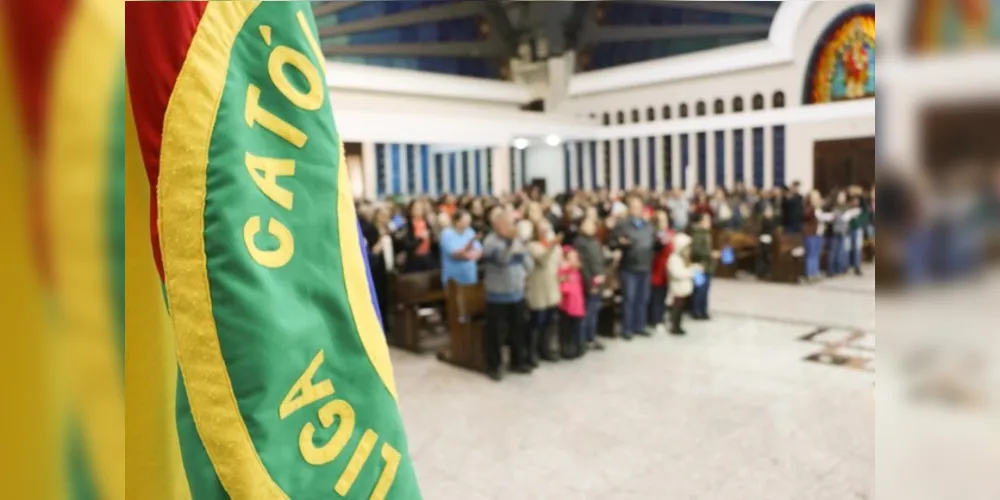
[[539, 184], [844, 162]]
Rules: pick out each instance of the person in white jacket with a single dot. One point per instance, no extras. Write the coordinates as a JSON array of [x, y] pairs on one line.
[[681, 272]]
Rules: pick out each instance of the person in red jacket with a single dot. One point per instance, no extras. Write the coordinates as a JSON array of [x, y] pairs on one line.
[[658, 274]]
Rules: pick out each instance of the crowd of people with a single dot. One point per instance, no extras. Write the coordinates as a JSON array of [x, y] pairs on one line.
[[554, 259]]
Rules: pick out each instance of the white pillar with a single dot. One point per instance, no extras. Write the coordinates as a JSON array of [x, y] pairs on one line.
[[629, 181], [502, 171], [675, 163], [571, 178], [601, 181], [613, 182], [748, 152], [660, 161], [588, 161], [369, 170], [484, 182], [709, 160], [768, 157], [644, 162]]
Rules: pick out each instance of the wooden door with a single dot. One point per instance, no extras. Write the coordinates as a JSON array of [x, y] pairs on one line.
[[843, 162]]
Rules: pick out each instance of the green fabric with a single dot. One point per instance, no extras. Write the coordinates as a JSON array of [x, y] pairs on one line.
[[862, 220], [272, 322], [116, 214], [701, 249]]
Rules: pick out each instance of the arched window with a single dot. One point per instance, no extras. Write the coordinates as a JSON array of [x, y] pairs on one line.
[[700, 109], [666, 112], [778, 100], [720, 107], [737, 104], [650, 114], [758, 102], [635, 116], [606, 119], [621, 117], [684, 110]]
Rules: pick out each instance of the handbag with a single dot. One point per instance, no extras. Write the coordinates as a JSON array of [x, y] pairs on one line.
[[699, 279]]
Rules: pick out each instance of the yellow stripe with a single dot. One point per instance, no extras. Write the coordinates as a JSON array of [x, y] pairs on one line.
[[78, 171], [153, 453], [358, 293], [188, 126], [28, 358]]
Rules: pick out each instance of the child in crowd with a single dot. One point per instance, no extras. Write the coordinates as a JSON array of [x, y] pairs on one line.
[[703, 255], [681, 272], [542, 288], [571, 308], [658, 273]]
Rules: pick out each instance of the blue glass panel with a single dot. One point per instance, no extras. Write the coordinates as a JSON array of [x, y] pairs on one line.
[[738, 155], [524, 167], [439, 173], [593, 164], [702, 159], [779, 154], [452, 173], [668, 160], [465, 172], [621, 163], [489, 171], [567, 168], [651, 143], [720, 158], [411, 169], [580, 178], [425, 181], [396, 170], [479, 175], [380, 169], [636, 161], [685, 160], [758, 157]]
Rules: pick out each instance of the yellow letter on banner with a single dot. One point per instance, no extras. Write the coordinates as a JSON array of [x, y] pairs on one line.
[[336, 409], [269, 258], [282, 55], [265, 173], [256, 114], [304, 392]]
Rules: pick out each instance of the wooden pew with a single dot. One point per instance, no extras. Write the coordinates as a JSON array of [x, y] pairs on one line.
[[465, 308], [786, 267], [411, 292], [744, 245]]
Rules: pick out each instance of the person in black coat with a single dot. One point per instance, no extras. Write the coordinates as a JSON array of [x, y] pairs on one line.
[[416, 242], [793, 210]]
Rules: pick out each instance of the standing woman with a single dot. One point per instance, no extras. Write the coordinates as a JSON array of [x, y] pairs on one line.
[[542, 289], [380, 259], [813, 229], [658, 274], [416, 240]]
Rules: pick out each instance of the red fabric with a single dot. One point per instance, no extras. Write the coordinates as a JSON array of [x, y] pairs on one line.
[[34, 32], [658, 274], [157, 38]]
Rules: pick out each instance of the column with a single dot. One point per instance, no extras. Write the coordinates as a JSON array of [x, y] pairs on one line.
[[569, 149], [588, 163], [629, 180], [612, 183], [502, 171], [659, 161], [644, 162], [602, 181], [675, 162], [368, 169], [748, 156], [768, 158], [404, 169]]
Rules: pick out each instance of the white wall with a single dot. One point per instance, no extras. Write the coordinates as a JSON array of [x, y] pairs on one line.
[[546, 162], [777, 64]]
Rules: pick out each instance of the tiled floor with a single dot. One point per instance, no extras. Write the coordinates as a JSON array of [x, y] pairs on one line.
[[729, 412]]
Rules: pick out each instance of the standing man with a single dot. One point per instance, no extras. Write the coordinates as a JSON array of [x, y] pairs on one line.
[[634, 237], [460, 249], [793, 210], [506, 262]]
